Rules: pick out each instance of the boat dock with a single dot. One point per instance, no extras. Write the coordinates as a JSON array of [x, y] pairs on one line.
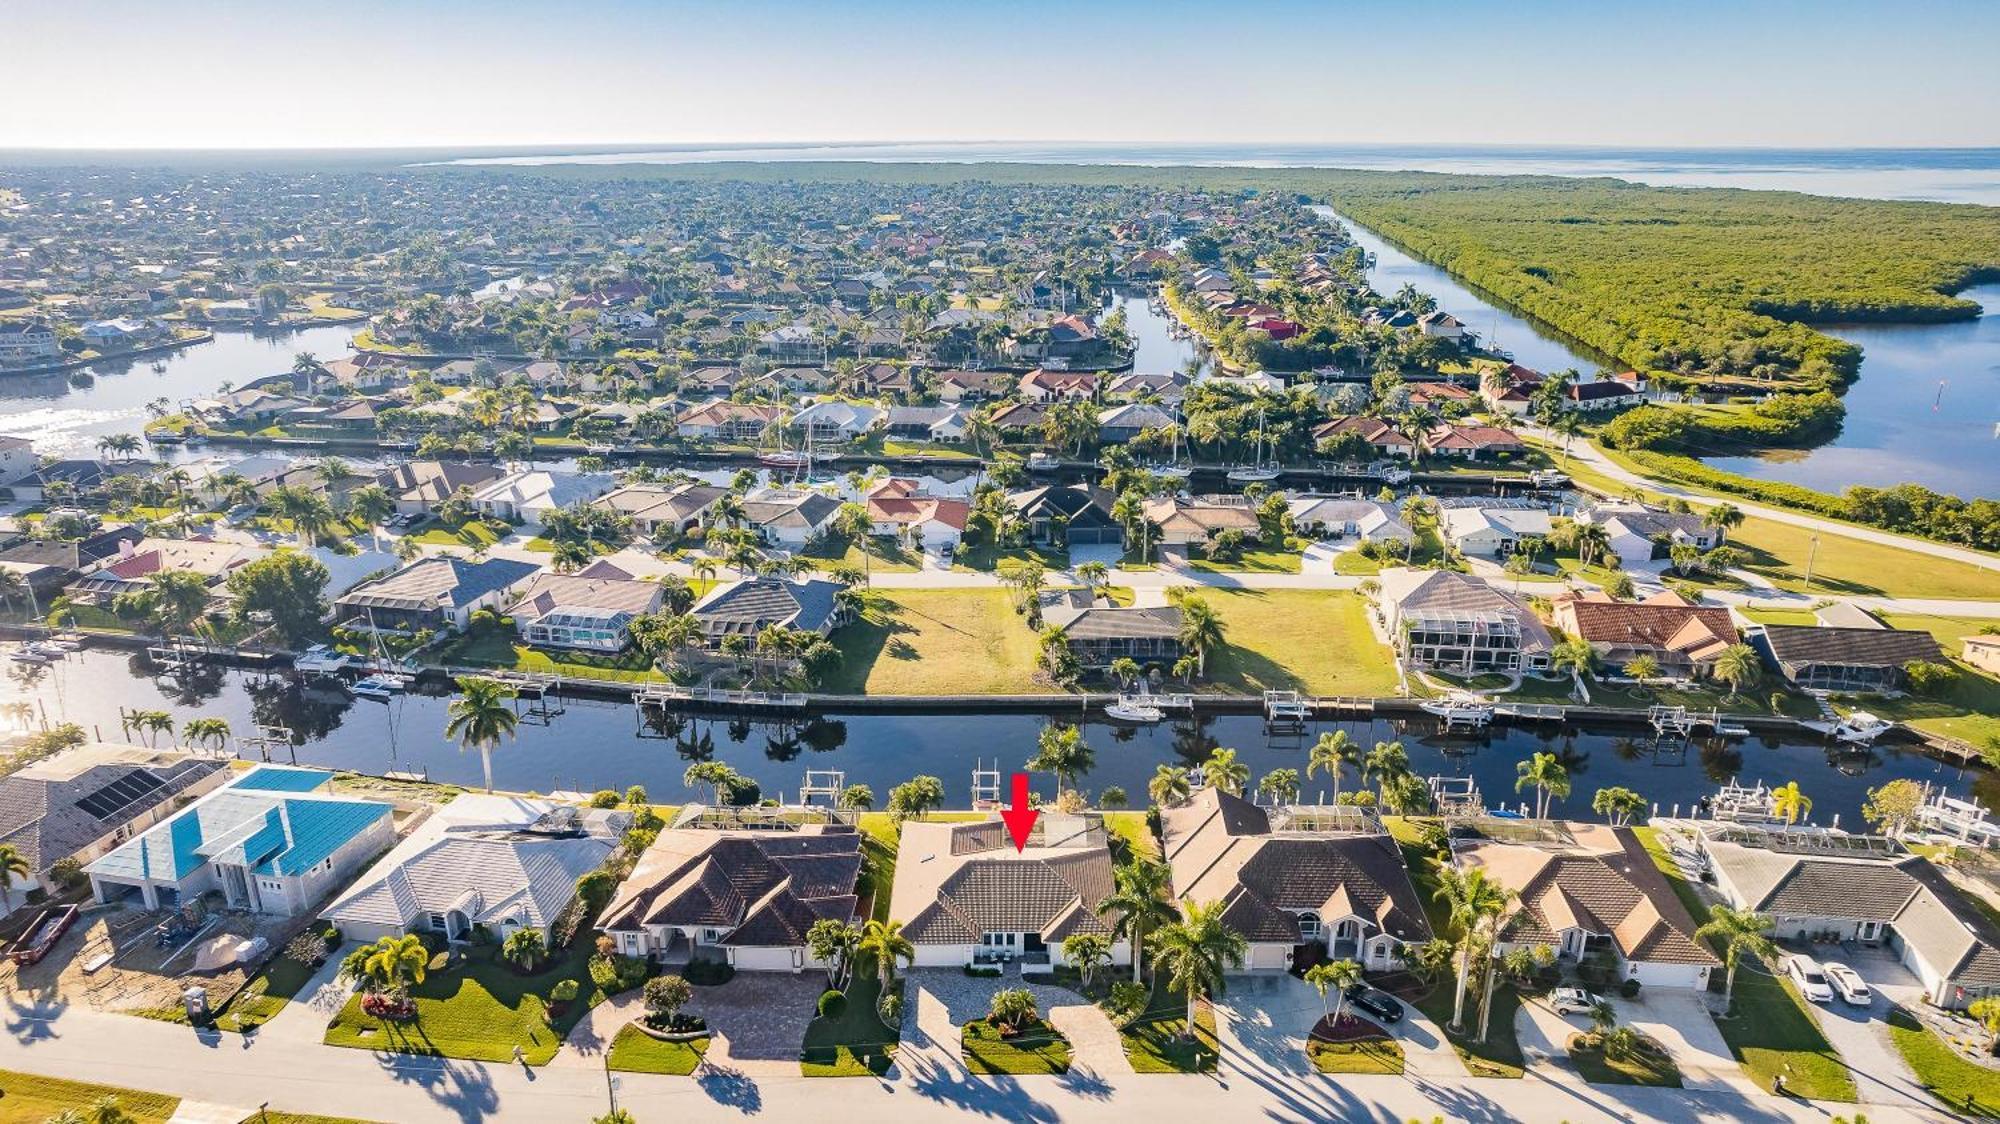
[[667, 696]]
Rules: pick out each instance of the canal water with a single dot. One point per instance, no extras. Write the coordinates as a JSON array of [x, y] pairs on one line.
[[1925, 407], [65, 418], [592, 745]]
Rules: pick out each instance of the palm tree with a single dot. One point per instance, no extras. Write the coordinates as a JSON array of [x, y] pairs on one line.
[[1574, 656], [12, 863], [207, 731], [1592, 541], [1138, 905], [1169, 785], [887, 944], [1339, 975], [1739, 667], [1333, 753], [14, 587], [1225, 772], [1544, 772], [1201, 631], [1734, 932], [480, 718], [1061, 750], [1195, 952], [1388, 763], [1789, 804], [1722, 517], [1618, 804], [1094, 576], [1473, 901], [1642, 668], [373, 504]]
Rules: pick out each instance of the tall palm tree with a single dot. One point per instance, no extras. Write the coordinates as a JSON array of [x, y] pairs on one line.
[[12, 864], [1545, 773], [1333, 753], [1739, 667], [1225, 772], [1473, 902], [1195, 952], [207, 731], [1734, 932], [1061, 750], [1592, 542], [884, 940], [481, 717], [1789, 804], [1138, 905], [1201, 630], [1337, 975], [1388, 763], [1169, 785], [373, 504], [1722, 517]]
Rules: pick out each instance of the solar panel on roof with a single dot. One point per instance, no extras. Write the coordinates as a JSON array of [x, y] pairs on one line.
[[107, 802]]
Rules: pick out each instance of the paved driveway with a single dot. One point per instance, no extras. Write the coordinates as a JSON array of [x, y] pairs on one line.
[[1680, 1022], [1544, 1035], [1862, 1034], [1265, 1020], [945, 999], [758, 1020]]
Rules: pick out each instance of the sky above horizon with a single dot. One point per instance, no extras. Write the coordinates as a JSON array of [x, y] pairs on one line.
[[376, 73]]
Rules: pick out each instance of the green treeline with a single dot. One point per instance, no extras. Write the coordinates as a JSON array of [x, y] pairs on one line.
[[1793, 420]]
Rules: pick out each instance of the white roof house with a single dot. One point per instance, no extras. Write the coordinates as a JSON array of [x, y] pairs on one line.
[[528, 494], [505, 862], [1341, 517], [1493, 531], [837, 419]]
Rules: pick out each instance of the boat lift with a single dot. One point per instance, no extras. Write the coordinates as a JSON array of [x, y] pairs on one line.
[[825, 784], [985, 785]]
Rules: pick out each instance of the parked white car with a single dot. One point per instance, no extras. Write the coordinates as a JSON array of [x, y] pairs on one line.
[[1852, 988], [1806, 974], [1573, 1001]]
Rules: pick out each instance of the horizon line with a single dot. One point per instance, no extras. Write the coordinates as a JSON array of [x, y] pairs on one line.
[[602, 147]]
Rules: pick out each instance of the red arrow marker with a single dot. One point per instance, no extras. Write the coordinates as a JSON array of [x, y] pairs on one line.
[[1020, 818]]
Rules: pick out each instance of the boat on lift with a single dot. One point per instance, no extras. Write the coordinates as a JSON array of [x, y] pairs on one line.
[[1043, 462], [1172, 468], [321, 659], [1548, 478], [381, 685], [1857, 727], [1134, 708], [1459, 709]]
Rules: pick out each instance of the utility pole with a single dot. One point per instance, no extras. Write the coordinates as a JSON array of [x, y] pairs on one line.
[[1811, 555]]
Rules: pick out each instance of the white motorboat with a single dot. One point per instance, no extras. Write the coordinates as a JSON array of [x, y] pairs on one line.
[[1459, 709], [1043, 462], [381, 685], [1858, 728], [1548, 478], [1133, 708], [31, 653], [321, 660]]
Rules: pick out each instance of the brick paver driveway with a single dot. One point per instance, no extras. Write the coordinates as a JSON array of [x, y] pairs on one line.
[[941, 1000]]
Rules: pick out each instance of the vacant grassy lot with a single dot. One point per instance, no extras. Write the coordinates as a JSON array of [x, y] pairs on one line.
[[27, 1099], [635, 1051], [1842, 564], [472, 533], [880, 555], [1037, 1048], [1315, 641], [1960, 1084], [936, 642], [1969, 706], [479, 1011], [1771, 1031]]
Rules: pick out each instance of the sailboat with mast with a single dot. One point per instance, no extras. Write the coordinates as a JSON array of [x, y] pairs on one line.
[[1257, 471], [1173, 468]]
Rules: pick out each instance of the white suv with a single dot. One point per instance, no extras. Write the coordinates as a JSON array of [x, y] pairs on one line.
[[1810, 978], [1853, 990]]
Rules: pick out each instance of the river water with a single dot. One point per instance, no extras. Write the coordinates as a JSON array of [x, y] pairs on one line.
[[595, 744]]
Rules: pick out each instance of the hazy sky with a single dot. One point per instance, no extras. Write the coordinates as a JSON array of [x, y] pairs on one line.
[[143, 73]]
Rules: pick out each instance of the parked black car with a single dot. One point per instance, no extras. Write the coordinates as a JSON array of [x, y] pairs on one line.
[[1377, 1003]]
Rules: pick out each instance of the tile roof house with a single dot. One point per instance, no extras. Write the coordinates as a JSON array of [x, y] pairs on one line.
[[419, 486], [1637, 533], [972, 386], [896, 507], [442, 591], [657, 509], [965, 895], [1684, 639], [1188, 520], [1467, 441], [1385, 439], [1346, 892], [748, 897], [1340, 517], [1070, 513], [531, 494], [1117, 424], [1051, 386], [946, 425], [837, 421], [1864, 888], [271, 842], [136, 564], [1598, 889], [722, 420], [504, 862], [1440, 618], [594, 614], [790, 517], [81, 803], [748, 607], [1847, 659]]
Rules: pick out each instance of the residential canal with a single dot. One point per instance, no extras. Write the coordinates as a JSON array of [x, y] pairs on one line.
[[64, 418], [595, 744]]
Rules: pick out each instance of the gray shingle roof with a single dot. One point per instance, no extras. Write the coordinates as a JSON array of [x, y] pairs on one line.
[[749, 607], [1850, 647], [50, 813], [439, 580]]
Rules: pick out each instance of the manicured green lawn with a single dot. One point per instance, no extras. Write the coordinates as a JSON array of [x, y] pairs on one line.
[[1352, 564], [1258, 561], [1962, 1085], [635, 1051], [479, 1011], [1131, 827], [1803, 617], [1038, 1048], [1752, 700], [1316, 641], [1375, 1055], [28, 1099], [1771, 1031], [1645, 1067], [542, 544], [1842, 564], [298, 1118], [1969, 707], [936, 642], [986, 557], [495, 648], [473, 533], [883, 555], [857, 1043], [1158, 1042]]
